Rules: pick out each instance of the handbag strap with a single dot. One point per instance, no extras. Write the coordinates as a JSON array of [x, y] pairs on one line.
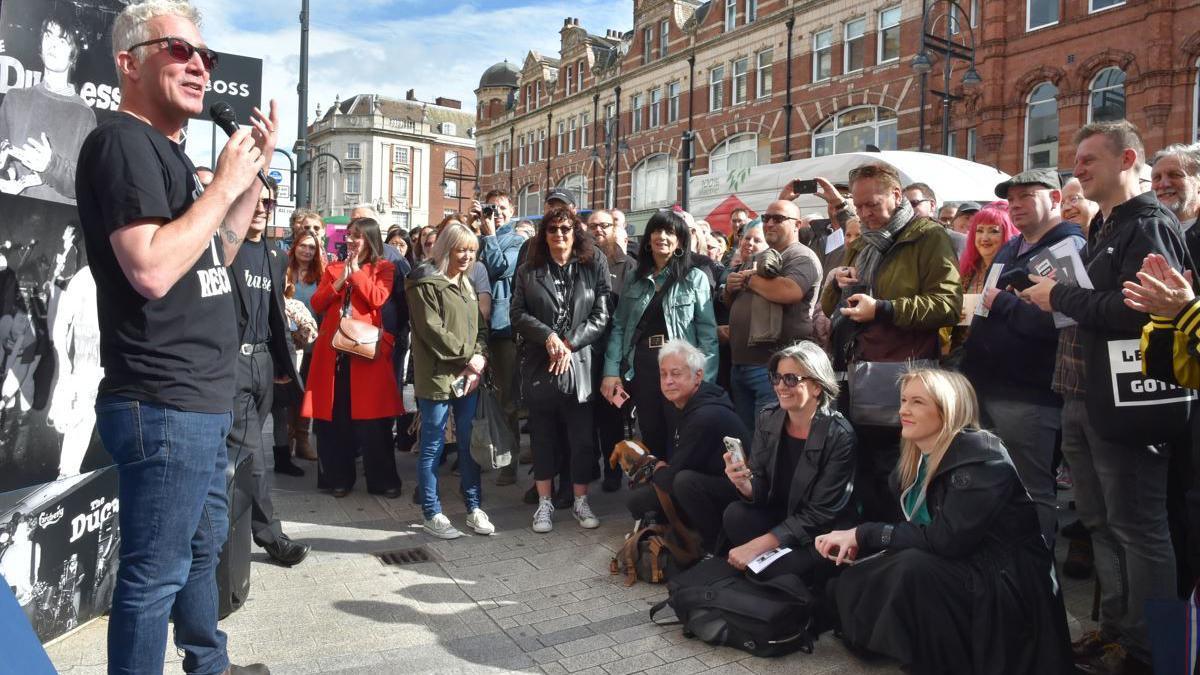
[[346, 303], [661, 293]]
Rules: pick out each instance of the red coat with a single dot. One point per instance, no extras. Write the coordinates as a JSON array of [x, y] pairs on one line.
[[373, 383]]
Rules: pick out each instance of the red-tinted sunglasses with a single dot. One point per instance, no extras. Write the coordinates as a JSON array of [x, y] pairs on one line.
[[181, 50]]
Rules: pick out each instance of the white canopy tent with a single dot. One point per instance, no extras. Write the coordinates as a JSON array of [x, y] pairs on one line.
[[952, 179]]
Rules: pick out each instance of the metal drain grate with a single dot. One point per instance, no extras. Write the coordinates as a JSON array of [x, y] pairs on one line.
[[406, 556]]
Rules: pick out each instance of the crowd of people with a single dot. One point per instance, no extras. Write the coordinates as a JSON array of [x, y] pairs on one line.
[[893, 393]]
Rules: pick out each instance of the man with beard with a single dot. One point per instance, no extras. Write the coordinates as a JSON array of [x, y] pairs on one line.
[[1175, 179]]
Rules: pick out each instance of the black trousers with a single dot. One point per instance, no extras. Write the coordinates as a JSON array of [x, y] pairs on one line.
[[655, 415], [251, 405], [878, 453], [700, 498], [562, 436], [610, 430], [743, 522], [340, 440]]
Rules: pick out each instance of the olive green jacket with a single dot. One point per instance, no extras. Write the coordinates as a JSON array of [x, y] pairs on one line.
[[919, 285], [447, 330]]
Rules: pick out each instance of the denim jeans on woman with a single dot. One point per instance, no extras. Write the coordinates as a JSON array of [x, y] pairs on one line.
[[434, 415], [174, 519], [751, 391]]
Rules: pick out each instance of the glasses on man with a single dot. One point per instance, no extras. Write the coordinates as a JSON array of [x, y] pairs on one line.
[[776, 218], [182, 51], [917, 202], [601, 226], [267, 203], [559, 229], [789, 380]]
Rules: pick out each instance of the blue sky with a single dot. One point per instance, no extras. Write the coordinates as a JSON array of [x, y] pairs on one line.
[[388, 46]]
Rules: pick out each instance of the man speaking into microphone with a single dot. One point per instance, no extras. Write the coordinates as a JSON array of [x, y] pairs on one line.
[[159, 245]]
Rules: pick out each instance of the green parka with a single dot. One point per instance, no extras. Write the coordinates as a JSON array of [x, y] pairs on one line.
[[447, 330]]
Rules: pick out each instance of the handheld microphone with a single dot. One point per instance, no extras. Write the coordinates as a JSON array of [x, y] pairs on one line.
[[222, 115]]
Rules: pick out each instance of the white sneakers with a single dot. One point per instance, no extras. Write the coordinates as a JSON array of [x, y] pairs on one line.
[[542, 521], [583, 513], [440, 526], [477, 520]]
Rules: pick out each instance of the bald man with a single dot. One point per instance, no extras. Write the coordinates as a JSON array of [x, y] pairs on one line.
[[791, 291]]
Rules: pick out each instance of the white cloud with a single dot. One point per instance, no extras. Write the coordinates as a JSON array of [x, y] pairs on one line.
[[437, 55]]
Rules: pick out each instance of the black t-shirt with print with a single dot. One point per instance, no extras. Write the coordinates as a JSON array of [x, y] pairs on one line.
[[176, 351], [251, 275]]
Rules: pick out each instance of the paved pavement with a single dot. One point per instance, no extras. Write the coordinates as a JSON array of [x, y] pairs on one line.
[[516, 601]]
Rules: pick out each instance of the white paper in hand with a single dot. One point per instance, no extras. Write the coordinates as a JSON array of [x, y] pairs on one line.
[[764, 561]]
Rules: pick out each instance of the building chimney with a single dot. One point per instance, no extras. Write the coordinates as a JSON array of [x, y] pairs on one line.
[[448, 102], [410, 95], [566, 22]]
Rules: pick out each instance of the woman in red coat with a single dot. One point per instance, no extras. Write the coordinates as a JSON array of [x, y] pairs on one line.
[[352, 399]]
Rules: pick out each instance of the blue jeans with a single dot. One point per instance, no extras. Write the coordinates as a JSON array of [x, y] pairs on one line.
[[433, 433], [174, 519], [752, 391]]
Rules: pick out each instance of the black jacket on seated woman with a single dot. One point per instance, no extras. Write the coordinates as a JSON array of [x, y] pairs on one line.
[[800, 479], [966, 584], [694, 478]]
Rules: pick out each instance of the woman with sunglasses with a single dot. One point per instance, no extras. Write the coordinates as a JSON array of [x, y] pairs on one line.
[[353, 399], [666, 298], [560, 309], [798, 480]]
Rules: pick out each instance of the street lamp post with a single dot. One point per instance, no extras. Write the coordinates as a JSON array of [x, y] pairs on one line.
[[455, 174], [301, 147], [304, 199], [955, 21]]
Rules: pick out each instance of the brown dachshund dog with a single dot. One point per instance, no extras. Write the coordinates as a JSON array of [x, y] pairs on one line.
[[634, 459]]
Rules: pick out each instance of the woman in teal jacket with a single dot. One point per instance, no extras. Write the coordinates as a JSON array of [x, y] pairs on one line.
[[668, 298]]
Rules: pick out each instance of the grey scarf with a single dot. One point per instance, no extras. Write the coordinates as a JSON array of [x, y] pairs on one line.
[[877, 242]]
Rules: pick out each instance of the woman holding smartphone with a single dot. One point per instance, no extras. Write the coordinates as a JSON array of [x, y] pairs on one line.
[[666, 298], [968, 557], [560, 309], [800, 479], [449, 336]]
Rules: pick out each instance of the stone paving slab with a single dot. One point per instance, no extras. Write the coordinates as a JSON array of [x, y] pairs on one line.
[[516, 601]]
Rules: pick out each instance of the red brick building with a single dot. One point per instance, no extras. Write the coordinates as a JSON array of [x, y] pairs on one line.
[[766, 81]]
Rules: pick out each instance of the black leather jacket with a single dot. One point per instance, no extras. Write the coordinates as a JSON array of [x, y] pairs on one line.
[[976, 504], [534, 306], [820, 499]]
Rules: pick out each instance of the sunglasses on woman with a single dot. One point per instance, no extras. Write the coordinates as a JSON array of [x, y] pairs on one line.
[[559, 229], [789, 380], [182, 51]]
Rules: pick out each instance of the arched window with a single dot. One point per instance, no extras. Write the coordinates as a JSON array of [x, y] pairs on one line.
[[1107, 99], [654, 182], [529, 201], [1041, 128], [1196, 105], [854, 129], [736, 152], [578, 184]]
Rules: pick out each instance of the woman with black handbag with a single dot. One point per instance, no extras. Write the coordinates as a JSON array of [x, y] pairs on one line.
[[560, 309], [352, 392]]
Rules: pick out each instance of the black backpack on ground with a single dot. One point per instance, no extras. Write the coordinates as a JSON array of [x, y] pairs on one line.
[[723, 606]]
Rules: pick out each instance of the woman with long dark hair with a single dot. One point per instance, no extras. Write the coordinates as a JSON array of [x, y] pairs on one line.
[[560, 308], [353, 399], [964, 583], [667, 298]]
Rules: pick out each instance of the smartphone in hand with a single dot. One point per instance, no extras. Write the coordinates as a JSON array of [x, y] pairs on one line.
[[459, 386], [734, 446], [804, 187]]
